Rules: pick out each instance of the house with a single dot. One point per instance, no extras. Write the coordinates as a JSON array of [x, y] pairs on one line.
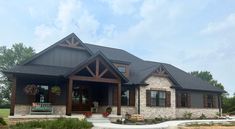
[[88, 73]]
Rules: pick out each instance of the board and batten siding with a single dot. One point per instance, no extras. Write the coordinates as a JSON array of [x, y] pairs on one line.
[[24, 99], [62, 57], [197, 98]]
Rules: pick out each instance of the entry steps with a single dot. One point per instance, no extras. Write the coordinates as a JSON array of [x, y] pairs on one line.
[[96, 118]]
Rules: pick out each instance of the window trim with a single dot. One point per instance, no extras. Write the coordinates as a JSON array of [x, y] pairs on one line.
[[148, 102], [213, 101], [187, 100], [131, 96]]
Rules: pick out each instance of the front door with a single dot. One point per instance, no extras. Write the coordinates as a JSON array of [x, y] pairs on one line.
[[81, 100]]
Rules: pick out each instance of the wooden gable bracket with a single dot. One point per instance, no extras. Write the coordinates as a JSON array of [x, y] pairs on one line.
[[72, 43], [160, 71], [96, 75]]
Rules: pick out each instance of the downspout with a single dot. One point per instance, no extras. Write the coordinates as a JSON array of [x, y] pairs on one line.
[[138, 99]]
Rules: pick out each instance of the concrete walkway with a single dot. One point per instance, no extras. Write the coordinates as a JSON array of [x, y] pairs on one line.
[[165, 125]]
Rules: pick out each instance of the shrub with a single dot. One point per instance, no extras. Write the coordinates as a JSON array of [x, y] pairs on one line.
[[187, 115], [5, 106], [2, 122], [61, 123], [203, 116], [127, 116], [232, 113]]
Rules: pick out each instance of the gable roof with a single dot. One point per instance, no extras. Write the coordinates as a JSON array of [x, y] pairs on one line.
[[139, 69], [91, 59], [72, 35]]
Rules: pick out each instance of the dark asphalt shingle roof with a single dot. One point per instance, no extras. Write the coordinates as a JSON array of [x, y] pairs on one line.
[[139, 69], [39, 70]]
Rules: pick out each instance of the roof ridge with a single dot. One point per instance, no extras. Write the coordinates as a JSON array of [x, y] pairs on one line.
[[103, 46], [112, 48]]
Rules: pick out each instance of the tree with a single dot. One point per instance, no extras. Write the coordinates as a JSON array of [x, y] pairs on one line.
[[10, 57], [207, 76]]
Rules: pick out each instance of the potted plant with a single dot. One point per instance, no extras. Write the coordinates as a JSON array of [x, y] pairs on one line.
[[31, 90], [56, 90], [109, 110], [87, 114], [105, 114]]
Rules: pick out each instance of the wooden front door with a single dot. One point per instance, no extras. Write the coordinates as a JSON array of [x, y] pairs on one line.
[[81, 99]]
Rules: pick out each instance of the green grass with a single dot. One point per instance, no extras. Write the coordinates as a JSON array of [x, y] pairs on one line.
[[4, 113]]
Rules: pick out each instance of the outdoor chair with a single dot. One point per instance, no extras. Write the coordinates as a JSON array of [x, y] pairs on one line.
[[95, 107]]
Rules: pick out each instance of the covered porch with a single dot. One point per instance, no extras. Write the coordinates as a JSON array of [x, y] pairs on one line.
[[95, 80]]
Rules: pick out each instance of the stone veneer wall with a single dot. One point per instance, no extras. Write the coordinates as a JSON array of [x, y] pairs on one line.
[[25, 109], [197, 112], [157, 83], [22, 109], [124, 110], [59, 109]]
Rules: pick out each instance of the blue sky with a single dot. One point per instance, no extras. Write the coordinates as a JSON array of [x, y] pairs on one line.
[[192, 35]]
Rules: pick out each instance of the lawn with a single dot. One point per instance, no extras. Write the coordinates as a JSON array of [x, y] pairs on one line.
[[4, 113]]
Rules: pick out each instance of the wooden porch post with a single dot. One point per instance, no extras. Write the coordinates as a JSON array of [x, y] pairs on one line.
[[119, 99], [13, 96], [69, 97], [219, 104]]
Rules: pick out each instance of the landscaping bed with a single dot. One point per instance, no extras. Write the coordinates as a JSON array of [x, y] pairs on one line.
[[61, 123], [211, 125]]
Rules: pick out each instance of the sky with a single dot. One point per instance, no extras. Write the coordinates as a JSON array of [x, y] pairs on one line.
[[189, 34]]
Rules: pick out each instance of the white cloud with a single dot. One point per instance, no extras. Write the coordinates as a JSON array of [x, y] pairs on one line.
[[122, 7], [43, 31], [214, 27], [71, 17]]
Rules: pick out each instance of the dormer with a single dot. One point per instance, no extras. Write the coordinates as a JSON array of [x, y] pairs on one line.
[[122, 66]]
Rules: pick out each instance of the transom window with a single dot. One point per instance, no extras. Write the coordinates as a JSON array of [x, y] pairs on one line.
[[158, 98]]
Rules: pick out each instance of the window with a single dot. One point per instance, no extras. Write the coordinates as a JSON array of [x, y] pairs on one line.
[[184, 100], [209, 101], [43, 95], [125, 100], [122, 69], [128, 96], [158, 98]]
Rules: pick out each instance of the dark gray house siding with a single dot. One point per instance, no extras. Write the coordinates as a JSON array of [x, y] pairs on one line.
[[63, 57], [197, 98], [22, 82]]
